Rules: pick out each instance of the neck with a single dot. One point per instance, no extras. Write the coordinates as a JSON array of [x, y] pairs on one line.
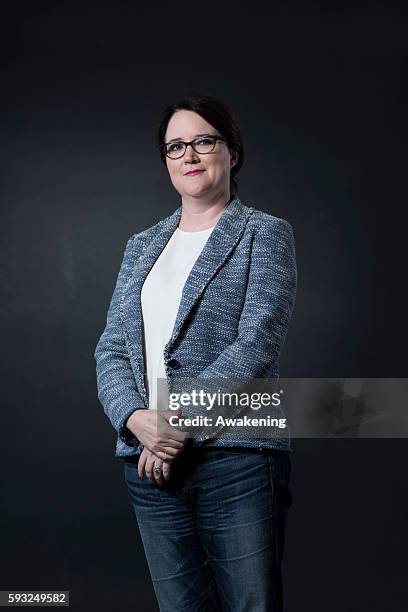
[[196, 215]]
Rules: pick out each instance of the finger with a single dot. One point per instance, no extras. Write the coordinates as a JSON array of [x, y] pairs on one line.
[[169, 413], [141, 464], [149, 468], [167, 453], [163, 441], [163, 452], [172, 437], [166, 470], [158, 475], [176, 435], [167, 442], [169, 431], [151, 463]]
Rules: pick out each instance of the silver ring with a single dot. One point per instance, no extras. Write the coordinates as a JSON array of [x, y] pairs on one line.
[[157, 470]]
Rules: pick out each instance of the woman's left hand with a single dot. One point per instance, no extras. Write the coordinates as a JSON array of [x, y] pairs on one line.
[[147, 461]]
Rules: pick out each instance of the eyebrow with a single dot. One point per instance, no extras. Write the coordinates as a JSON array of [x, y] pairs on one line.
[[196, 136]]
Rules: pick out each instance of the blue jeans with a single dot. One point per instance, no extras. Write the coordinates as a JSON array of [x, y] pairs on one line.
[[214, 535]]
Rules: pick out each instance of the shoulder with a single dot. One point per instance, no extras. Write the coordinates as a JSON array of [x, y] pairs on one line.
[[265, 225], [146, 235]]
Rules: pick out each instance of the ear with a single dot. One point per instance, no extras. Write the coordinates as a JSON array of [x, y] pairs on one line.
[[234, 159]]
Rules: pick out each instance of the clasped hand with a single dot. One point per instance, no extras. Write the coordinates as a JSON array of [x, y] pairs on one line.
[[162, 443]]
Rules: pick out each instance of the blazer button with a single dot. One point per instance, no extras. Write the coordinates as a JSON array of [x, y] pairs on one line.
[[174, 364]]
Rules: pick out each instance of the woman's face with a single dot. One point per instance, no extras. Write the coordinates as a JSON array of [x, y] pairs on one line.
[[214, 181]]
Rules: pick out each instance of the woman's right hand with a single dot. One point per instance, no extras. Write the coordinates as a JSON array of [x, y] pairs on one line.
[[152, 429]]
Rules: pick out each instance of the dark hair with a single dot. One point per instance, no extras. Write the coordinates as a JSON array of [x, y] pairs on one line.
[[219, 116]]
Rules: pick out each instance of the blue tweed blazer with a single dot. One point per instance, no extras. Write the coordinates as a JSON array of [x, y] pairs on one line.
[[232, 321]]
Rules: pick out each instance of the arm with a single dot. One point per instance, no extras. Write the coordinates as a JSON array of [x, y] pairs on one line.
[[116, 384], [265, 316], [267, 310]]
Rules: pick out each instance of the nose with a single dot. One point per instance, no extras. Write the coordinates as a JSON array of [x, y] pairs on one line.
[[190, 154]]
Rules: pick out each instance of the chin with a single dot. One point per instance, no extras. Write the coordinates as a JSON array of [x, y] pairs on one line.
[[194, 193]]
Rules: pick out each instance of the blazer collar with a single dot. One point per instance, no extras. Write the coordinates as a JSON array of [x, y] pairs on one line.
[[220, 243]]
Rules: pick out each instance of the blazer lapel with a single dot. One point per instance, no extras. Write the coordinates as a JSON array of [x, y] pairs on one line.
[[221, 242]]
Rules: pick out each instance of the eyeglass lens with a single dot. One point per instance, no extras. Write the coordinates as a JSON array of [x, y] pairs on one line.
[[201, 145]]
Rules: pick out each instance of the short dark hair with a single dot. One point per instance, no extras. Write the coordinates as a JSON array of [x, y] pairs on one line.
[[219, 115]]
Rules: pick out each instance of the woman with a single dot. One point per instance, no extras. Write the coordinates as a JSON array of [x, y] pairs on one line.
[[206, 293]]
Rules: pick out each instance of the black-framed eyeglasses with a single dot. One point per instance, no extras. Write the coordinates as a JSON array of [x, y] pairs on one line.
[[201, 145]]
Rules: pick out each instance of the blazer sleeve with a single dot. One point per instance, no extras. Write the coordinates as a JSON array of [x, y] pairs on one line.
[[267, 310], [116, 384]]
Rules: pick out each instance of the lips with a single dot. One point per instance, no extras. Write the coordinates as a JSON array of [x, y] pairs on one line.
[[193, 172]]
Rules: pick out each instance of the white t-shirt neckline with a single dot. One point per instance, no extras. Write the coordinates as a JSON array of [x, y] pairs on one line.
[[193, 231]]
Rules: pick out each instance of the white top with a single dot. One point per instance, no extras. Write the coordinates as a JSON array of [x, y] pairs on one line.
[[160, 298]]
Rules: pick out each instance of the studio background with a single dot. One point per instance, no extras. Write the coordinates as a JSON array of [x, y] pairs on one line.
[[320, 93]]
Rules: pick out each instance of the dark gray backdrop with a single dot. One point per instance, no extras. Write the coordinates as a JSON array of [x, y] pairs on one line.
[[320, 92]]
